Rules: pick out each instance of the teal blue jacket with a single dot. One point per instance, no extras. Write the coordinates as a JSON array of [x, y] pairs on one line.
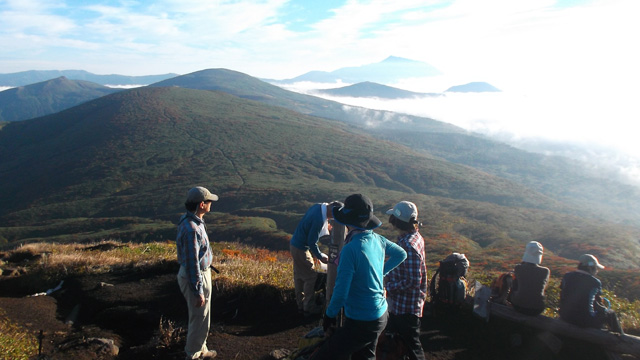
[[359, 286]]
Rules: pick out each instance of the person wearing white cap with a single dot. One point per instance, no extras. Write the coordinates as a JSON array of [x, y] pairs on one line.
[[406, 285], [527, 292], [581, 297], [194, 276]]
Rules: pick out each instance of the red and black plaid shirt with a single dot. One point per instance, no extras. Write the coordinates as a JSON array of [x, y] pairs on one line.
[[407, 284]]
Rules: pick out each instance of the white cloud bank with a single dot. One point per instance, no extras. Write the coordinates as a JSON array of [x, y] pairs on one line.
[[599, 129]]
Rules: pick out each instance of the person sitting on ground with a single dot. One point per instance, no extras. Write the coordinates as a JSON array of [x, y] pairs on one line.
[[581, 297], [407, 284], [527, 291], [304, 247], [364, 261]]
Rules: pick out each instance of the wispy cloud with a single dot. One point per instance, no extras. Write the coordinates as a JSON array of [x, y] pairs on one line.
[[497, 40]]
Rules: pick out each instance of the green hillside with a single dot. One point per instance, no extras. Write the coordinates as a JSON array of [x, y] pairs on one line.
[[248, 87], [131, 145], [119, 167], [48, 97]]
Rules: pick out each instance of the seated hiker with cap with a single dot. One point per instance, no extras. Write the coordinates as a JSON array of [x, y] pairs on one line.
[[581, 297], [530, 281], [359, 285], [304, 247]]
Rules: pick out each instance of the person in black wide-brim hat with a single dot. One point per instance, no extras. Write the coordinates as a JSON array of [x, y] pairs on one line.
[[357, 213], [359, 283]]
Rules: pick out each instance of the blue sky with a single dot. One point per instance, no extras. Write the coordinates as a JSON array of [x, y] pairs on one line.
[[568, 69]]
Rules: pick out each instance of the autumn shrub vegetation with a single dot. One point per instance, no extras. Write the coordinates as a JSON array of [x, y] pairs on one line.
[[247, 272], [15, 342]]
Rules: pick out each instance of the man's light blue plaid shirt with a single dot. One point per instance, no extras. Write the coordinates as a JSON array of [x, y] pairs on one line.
[[194, 252]]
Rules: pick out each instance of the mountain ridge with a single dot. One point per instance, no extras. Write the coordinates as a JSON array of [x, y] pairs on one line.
[[372, 90], [47, 97], [476, 86], [248, 87], [29, 77], [390, 70]]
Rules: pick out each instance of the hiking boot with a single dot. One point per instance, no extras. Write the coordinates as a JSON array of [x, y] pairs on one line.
[[210, 354]]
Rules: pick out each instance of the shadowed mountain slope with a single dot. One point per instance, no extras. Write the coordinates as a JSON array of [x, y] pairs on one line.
[[137, 150], [48, 97]]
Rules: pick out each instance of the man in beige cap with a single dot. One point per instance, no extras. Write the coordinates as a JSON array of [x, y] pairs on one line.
[[581, 297], [194, 277]]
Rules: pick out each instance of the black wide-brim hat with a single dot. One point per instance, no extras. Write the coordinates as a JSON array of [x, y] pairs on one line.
[[357, 212]]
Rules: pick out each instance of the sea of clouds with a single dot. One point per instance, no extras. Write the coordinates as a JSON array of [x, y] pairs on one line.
[[596, 129]]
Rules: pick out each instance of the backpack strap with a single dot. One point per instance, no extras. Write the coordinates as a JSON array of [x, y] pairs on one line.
[[432, 285]]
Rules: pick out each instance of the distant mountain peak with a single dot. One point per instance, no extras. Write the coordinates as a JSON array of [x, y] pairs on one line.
[[397, 59], [477, 86], [391, 70], [48, 97], [372, 90]]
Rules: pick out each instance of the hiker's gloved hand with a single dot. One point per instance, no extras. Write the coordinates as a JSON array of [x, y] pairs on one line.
[[328, 322]]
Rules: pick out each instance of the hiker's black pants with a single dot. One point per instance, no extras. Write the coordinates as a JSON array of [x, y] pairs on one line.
[[408, 327], [356, 340]]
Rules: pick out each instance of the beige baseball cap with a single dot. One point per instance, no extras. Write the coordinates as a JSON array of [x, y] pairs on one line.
[[199, 194]]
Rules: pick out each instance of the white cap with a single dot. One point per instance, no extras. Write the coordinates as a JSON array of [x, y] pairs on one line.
[[590, 261], [533, 253], [404, 211]]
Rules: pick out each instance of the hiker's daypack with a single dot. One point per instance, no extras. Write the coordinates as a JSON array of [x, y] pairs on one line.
[[308, 345], [501, 287], [448, 284]]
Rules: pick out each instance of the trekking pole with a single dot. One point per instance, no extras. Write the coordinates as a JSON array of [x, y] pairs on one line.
[[40, 338], [338, 233]]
